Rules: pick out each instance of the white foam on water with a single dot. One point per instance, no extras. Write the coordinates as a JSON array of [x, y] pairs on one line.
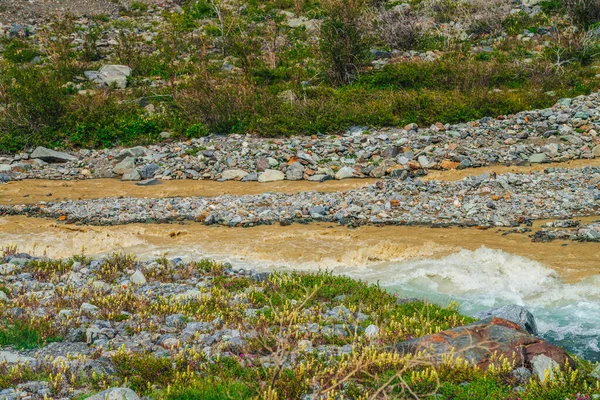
[[567, 314]]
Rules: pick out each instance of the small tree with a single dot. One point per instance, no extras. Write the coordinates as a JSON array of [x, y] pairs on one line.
[[343, 44]]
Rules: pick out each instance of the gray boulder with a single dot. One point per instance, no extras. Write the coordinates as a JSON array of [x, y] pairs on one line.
[[517, 314], [124, 166], [132, 175], [51, 156], [115, 74]]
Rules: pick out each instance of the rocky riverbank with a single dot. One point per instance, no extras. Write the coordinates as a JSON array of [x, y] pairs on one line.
[[167, 328], [507, 200], [567, 131]]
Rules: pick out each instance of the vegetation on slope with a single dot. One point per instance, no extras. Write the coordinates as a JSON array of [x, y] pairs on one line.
[[283, 67]]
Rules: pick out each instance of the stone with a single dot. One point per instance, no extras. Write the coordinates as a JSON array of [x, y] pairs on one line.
[[425, 162], [3, 297], [305, 345], [124, 166], [544, 366], [537, 158], [119, 393], [513, 313], [138, 278], [596, 151], [372, 331], [15, 358], [233, 174], [262, 164], [390, 152], [132, 175], [344, 173], [148, 171], [148, 182], [115, 75], [294, 174], [447, 164], [271, 175], [483, 340], [88, 308], [51, 156]]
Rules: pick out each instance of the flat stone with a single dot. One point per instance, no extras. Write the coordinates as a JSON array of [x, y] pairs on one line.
[[51, 156], [15, 358], [537, 158], [271, 175], [148, 182], [88, 308], [233, 174]]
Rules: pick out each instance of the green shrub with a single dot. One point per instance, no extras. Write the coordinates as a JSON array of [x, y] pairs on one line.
[[583, 12], [343, 41], [211, 389], [18, 51], [22, 335], [142, 369]]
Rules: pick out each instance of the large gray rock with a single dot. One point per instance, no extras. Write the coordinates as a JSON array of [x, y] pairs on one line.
[[124, 166], [51, 156], [517, 314], [115, 394], [115, 74], [138, 151], [344, 173], [132, 175]]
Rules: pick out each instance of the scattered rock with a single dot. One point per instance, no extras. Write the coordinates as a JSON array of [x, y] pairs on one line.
[[51, 156]]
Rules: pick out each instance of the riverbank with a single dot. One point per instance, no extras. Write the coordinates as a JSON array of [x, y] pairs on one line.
[[172, 329]]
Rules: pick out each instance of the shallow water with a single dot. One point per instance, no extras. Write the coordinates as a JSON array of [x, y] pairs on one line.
[[558, 281]]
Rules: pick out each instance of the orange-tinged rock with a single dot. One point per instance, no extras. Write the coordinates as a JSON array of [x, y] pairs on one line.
[[507, 196], [447, 164], [292, 160], [413, 165], [395, 167], [395, 203], [62, 217], [495, 197]]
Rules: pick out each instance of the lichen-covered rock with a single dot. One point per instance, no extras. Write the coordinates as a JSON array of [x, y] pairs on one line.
[[479, 342], [514, 313]]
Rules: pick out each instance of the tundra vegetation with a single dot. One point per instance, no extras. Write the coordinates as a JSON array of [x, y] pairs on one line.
[[236, 334]]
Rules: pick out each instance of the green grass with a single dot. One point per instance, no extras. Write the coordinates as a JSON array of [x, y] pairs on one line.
[[22, 335]]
